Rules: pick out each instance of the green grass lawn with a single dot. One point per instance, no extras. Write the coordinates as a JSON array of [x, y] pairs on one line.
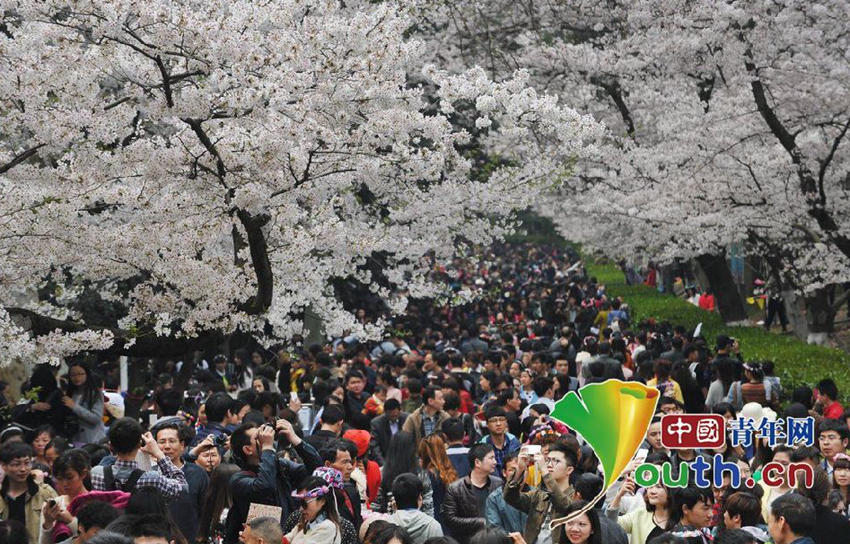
[[796, 362]]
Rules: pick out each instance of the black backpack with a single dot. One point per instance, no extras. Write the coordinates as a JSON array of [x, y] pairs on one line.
[[110, 484]]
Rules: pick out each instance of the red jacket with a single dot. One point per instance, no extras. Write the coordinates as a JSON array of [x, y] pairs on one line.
[[373, 480], [466, 404]]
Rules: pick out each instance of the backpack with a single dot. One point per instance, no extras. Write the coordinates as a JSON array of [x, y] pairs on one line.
[[110, 484]]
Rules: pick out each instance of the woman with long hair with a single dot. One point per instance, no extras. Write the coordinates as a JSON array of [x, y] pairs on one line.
[[694, 400], [333, 479], [584, 529], [149, 500], [718, 389], [644, 524], [438, 467], [217, 503], [402, 457], [84, 397], [319, 522]]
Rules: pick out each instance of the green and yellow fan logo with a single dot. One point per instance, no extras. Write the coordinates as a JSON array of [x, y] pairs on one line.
[[612, 417]]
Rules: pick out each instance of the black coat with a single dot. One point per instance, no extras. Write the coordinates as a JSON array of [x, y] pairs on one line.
[[271, 483], [381, 435], [830, 527]]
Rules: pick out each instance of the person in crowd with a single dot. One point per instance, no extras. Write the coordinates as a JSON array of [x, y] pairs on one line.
[[441, 472], [142, 529], [217, 503], [21, 497], [584, 529], [587, 487], [497, 512], [429, 417], [332, 420], [13, 532], [92, 517], [841, 479], [147, 500], [830, 527], [39, 440], [265, 478], [503, 442], [206, 454], [832, 440], [337, 456], [827, 399], [218, 412], [455, 450], [653, 518], [320, 522], [126, 440], [549, 500], [792, 520], [693, 507], [262, 530], [407, 492], [401, 459], [185, 508], [385, 426], [355, 400], [366, 473], [84, 398], [466, 498]]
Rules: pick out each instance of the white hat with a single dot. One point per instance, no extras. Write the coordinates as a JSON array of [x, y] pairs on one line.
[[752, 410]]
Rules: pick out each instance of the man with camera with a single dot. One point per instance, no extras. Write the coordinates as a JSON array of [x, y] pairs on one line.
[[265, 478], [126, 440]]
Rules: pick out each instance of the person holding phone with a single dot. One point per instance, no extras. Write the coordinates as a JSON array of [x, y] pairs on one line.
[[551, 499]]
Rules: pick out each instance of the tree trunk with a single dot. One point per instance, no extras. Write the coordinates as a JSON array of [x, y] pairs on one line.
[[812, 317], [820, 317], [722, 285]]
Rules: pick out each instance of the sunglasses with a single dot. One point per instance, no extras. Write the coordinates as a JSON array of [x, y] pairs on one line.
[[302, 503]]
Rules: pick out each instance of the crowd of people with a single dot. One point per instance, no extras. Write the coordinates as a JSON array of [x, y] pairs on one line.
[[439, 434]]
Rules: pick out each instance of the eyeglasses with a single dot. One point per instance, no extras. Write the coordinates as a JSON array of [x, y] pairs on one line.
[[555, 461], [497, 420]]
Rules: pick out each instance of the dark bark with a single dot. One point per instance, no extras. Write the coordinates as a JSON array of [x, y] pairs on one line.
[[722, 285], [811, 185], [820, 313]]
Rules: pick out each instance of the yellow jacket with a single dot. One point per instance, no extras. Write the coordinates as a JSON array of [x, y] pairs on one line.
[[37, 494]]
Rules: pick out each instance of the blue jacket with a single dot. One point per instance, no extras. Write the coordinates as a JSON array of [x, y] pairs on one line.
[[498, 513]]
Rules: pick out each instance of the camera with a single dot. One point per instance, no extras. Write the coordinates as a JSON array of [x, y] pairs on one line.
[[220, 441]]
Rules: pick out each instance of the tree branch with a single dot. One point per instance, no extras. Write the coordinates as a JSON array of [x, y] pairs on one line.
[[253, 225], [19, 158], [146, 345], [824, 164]]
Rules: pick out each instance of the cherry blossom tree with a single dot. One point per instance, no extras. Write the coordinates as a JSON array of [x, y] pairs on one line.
[[728, 121], [173, 172]]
